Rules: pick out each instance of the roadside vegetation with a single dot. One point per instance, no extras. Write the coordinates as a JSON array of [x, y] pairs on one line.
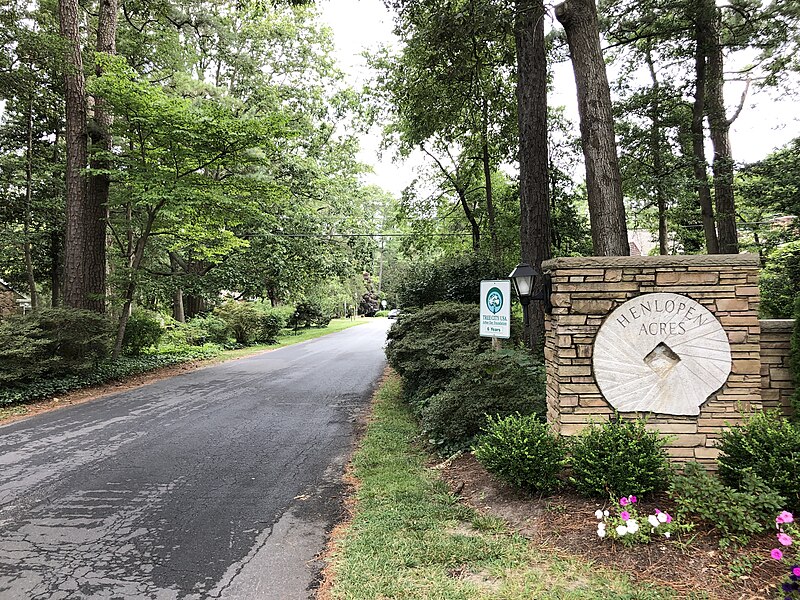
[[409, 537], [472, 403], [55, 351]]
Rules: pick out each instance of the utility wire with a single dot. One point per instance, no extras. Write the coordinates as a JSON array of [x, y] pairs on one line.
[[369, 235]]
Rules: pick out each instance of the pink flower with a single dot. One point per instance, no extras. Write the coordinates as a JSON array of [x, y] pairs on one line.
[[669, 518], [784, 539], [784, 517], [625, 515], [796, 571], [776, 554], [632, 499], [623, 501]]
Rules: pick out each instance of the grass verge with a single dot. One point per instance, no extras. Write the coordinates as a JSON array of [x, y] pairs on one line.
[[290, 337], [408, 537]]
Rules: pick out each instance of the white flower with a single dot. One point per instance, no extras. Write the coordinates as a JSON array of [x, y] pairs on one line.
[[605, 513], [662, 517], [621, 530], [598, 513], [666, 534], [601, 532], [601, 525], [653, 520], [633, 526]]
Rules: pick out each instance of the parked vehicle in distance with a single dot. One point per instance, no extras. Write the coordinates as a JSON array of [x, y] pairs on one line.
[[393, 314]]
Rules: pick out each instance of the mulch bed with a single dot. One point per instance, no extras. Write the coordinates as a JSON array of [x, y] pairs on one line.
[[565, 523]]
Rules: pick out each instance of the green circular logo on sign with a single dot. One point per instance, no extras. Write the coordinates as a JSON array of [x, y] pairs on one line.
[[494, 300]]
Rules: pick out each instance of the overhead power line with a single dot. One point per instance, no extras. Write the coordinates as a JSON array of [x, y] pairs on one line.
[[370, 235]]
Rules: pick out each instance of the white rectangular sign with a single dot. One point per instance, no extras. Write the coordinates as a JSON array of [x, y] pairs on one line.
[[496, 309]]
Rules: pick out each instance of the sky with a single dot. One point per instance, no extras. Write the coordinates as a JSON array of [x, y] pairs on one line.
[[766, 123]]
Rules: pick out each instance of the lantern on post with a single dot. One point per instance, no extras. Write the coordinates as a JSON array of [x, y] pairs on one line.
[[526, 279]]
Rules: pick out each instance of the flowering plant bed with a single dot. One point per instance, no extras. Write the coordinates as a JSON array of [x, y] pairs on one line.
[[687, 561]]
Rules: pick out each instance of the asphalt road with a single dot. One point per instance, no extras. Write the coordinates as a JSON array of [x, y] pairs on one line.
[[220, 483]]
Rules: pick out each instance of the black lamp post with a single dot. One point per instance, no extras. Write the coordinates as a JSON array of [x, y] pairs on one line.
[[524, 277]]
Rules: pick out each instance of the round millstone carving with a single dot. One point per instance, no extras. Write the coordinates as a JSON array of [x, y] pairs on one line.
[[662, 353]]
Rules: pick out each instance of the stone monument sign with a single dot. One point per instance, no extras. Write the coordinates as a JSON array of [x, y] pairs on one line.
[[671, 339], [662, 353]]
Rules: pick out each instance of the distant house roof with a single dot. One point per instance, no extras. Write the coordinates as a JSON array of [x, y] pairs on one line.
[[641, 242]]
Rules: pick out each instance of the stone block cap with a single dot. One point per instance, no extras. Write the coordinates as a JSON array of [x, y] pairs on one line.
[[778, 325], [683, 260]]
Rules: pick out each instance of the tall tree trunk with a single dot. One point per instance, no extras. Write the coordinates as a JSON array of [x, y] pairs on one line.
[[703, 14], [28, 201], [77, 289], [533, 152], [178, 312], [100, 134], [55, 267], [719, 128], [177, 306], [134, 263], [487, 177], [655, 151], [603, 181], [56, 239]]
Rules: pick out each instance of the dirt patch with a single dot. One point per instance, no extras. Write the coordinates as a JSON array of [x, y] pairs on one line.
[[565, 524]]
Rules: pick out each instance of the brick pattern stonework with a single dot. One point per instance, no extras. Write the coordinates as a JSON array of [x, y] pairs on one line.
[[777, 386], [586, 289]]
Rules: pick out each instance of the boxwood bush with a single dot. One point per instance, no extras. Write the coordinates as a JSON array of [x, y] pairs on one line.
[[309, 313], [453, 379], [430, 346], [767, 445], [251, 322], [618, 458], [208, 329], [522, 450], [52, 342], [144, 329], [492, 383]]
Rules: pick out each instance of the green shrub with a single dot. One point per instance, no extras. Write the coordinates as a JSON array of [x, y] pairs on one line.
[[382, 313], [52, 342], [308, 313], [143, 330], [447, 279], [522, 450], [794, 362], [492, 383], [618, 458], [242, 319], [270, 324], [208, 329], [103, 372], [252, 322], [429, 347], [780, 280], [736, 514], [285, 311], [767, 445]]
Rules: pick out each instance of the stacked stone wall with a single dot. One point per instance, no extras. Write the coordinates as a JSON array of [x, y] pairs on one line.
[[8, 303], [586, 290], [777, 386]]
